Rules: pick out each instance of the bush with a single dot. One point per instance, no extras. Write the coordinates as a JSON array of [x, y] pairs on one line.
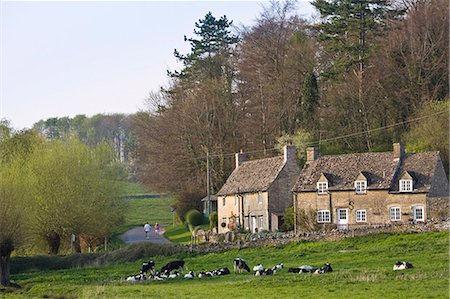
[[187, 201], [194, 217], [213, 220]]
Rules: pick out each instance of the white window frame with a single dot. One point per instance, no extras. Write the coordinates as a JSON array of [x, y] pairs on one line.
[[322, 187], [224, 201], [361, 187], [415, 213], [260, 223], [323, 216], [395, 214], [405, 185], [247, 222], [260, 198], [361, 215]]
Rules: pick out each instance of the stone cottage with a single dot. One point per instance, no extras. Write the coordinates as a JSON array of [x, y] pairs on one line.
[[257, 192], [373, 188]]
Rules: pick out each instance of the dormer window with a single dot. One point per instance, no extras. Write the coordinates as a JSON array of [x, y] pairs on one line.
[[322, 187], [406, 185], [360, 187]]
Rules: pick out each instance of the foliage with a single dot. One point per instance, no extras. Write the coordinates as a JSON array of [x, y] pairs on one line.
[[115, 129], [194, 217], [213, 221], [301, 139], [74, 191], [431, 133], [362, 268], [187, 201]]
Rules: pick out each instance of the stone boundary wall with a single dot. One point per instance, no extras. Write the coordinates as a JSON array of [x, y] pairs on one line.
[[233, 240]]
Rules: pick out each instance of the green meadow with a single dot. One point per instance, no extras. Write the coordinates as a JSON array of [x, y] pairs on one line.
[[362, 269]]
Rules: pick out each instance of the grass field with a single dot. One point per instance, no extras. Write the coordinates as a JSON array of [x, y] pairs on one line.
[[180, 234], [362, 269]]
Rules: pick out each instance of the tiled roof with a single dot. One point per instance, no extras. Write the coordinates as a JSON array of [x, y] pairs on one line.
[[421, 167], [253, 176], [380, 169]]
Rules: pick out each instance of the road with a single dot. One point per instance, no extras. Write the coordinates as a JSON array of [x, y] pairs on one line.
[[137, 234]]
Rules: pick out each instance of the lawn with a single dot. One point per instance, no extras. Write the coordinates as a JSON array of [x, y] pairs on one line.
[[180, 234], [362, 269]]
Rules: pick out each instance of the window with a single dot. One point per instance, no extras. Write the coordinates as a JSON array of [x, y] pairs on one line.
[[246, 223], [361, 216], [223, 201], [260, 199], [261, 222], [395, 214], [224, 220], [238, 222], [419, 214], [406, 185], [360, 186], [323, 216], [322, 187]]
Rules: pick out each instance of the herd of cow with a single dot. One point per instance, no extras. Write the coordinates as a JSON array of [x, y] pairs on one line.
[[172, 270]]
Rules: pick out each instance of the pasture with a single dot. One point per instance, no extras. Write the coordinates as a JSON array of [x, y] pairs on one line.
[[362, 269]]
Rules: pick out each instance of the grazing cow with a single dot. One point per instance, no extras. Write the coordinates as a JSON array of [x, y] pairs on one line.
[[190, 275], [326, 268], [240, 264], [401, 265], [138, 277], [148, 266], [174, 265]]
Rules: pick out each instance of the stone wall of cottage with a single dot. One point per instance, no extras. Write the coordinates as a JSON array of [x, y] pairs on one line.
[[251, 208], [438, 208], [280, 191], [376, 203]]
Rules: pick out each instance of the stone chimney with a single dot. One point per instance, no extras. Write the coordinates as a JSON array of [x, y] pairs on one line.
[[399, 151], [312, 153], [289, 152], [240, 157]]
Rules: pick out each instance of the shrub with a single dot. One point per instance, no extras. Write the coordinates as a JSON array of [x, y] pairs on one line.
[[194, 217], [213, 220], [187, 201]]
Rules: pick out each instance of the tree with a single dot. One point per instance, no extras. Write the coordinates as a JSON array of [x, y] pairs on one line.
[[431, 132], [301, 139], [74, 191], [15, 148], [349, 30]]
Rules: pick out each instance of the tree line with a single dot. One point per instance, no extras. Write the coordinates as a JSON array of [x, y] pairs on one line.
[[373, 72], [53, 189]]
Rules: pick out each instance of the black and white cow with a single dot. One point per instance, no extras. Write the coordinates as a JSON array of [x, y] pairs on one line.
[[190, 275], [173, 265], [326, 268], [148, 266], [137, 277], [401, 265], [302, 269], [221, 271], [240, 264]]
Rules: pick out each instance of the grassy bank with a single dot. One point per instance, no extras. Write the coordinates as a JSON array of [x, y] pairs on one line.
[[362, 269], [180, 234]]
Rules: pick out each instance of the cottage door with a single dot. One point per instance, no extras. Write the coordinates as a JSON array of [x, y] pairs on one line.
[[342, 218]]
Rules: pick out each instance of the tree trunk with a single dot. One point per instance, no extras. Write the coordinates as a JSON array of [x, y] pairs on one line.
[[54, 242], [4, 270]]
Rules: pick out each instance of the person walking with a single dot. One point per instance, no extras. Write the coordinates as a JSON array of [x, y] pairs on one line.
[[157, 228], [147, 229]]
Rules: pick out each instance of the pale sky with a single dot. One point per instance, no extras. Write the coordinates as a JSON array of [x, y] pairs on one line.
[[67, 58]]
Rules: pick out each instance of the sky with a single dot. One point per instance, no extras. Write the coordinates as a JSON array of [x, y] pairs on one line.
[[66, 58]]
